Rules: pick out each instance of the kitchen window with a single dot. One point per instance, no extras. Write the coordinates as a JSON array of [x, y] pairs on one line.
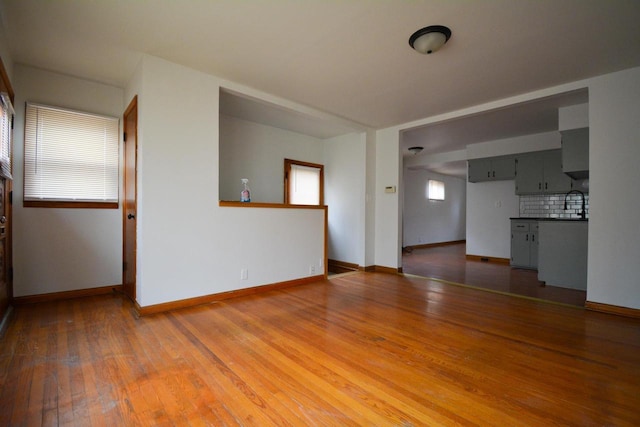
[[71, 159]]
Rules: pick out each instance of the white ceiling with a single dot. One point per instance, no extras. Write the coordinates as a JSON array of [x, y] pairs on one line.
[[350, 58]]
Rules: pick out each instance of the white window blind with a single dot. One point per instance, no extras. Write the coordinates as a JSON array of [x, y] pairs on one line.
[[6, 120], [70, 156], [304, 185], [436, 190]]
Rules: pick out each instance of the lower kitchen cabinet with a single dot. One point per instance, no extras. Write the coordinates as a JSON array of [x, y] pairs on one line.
[[524, 243], [563, 253]]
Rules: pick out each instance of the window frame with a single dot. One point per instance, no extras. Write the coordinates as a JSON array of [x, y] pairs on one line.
[[70, 204], [287, 171], [437, 183], [7, 115]]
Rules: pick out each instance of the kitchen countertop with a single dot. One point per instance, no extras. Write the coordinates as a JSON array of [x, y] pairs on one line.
[[552, 219]]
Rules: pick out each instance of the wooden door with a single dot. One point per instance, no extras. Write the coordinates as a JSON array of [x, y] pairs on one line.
[[4, 247], [130, 200]]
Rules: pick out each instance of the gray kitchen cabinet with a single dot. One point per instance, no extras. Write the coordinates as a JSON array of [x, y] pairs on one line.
[[524, 243], [563, 253], [529, 173], [479, 170], [492, 169], [533, 245], [555, 180], [541, 172], [575, 153]]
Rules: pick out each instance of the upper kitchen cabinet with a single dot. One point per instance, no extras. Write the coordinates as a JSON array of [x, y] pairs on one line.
[[541, 172], [575, 153], [492, 169]]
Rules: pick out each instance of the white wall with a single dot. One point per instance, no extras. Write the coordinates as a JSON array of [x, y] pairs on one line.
[[7, 60], [62, 249], [573, 117], [489, 207], [188, 245], [257, 152], [614, 159], [427, 221], [388, 238], [344, 191], [370, 200]]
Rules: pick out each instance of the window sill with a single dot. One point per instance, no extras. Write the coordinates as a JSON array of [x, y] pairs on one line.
[[69, 205]]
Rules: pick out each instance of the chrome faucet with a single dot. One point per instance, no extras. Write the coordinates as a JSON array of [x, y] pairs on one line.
[[583, 212]]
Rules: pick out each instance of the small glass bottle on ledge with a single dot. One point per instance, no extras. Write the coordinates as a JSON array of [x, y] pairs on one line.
[[245, 194]]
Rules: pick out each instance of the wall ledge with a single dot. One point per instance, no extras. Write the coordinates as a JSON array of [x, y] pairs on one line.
[[234, 204]]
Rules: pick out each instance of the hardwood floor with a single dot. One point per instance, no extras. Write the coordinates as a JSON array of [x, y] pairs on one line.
[[449, 263], [359, 349]]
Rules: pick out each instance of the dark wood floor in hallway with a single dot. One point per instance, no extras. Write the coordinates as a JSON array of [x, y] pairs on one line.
[[449, 263]]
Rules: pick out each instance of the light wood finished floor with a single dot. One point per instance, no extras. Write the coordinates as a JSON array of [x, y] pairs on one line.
[[359, 349], [449, 263]]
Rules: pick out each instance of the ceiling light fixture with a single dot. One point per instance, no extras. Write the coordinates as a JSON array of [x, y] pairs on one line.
[[415, 150], [429, 39]]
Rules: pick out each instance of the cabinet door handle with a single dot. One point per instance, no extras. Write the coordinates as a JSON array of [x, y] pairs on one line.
[[539, 186], [527, 238], [488, 174], [494, 174], [546, 185], [533, 237]]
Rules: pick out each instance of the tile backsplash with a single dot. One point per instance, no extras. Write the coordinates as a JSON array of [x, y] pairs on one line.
[[552, 206]]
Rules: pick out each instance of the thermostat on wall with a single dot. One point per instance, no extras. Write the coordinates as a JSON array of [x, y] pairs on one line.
[[390, 189]]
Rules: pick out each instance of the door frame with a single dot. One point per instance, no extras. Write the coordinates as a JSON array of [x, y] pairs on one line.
[[5, 86], [131, 111]]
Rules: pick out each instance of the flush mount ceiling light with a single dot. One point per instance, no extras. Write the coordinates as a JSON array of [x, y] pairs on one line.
[[429, 39], [415, 150]]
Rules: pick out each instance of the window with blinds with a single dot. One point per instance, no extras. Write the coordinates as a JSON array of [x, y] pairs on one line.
[[70, 159], [6, 123], [436, 190], [304, 183]]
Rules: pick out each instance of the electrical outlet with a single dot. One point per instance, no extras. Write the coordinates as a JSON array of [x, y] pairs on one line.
[[244, 274], [312, 269]]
